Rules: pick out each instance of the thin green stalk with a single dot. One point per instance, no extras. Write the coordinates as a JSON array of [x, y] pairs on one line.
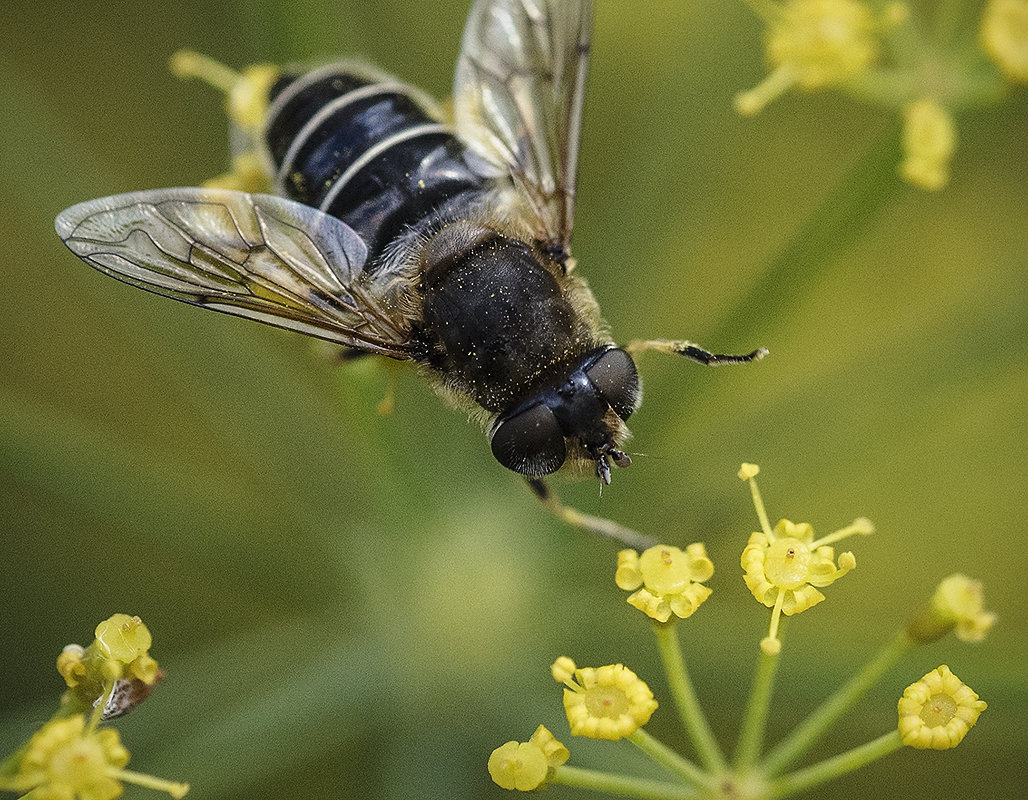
[[689, 709], [621, 784], [813, 727], [835, 767], [752, 735], [669, 759]]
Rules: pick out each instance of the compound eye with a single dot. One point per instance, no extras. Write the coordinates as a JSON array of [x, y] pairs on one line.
[[530, 443], [615, 377]]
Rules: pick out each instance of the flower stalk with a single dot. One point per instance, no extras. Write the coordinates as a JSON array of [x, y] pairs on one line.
[[808, 732], [684, 695], [835, 766], [754, 722]]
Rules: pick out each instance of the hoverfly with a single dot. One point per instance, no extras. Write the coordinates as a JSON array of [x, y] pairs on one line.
[[394, 233]]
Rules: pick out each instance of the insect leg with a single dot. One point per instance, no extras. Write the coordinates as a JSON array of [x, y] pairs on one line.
[[692, 351], [578, 519]]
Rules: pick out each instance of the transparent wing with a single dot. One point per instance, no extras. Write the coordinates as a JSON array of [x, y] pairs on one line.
[[256, 256], [518, 94]]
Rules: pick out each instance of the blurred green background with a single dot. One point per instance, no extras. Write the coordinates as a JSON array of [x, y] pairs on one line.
[[355, 605]]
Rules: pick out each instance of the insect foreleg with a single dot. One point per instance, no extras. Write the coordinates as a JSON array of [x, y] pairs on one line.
[[692, 351], [578, 519]]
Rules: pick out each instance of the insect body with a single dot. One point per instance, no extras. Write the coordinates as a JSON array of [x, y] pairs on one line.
[[391, 232]]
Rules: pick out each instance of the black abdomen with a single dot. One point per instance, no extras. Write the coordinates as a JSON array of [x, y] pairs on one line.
[[364, 150]]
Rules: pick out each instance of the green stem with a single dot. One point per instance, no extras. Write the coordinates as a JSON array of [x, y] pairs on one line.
[[752, 735], [689, 709], [834, 767], [813, 727], [669, 759], [621, 784]]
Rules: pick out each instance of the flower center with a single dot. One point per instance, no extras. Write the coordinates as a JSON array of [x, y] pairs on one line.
[[787, 564], [606, 702], [665, 570], [80, 763], [938, 711]]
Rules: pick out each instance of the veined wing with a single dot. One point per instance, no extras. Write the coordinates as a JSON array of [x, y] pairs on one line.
[[518, 94], [256, 256]]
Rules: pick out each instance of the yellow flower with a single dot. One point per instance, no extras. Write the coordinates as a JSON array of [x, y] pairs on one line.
[[125, 641], [929, 141], [123, 638], [783, 566], [527, 765], [789, 564], [65, 760], [609, 702], [518, 765], [671, 579], [1004, 37], [937, 712], [813, 44], [961, 600], [957, 605]]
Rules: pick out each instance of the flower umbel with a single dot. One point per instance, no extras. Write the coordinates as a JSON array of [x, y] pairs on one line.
[[526, 766], [609, 702], [937, 712], [881, 54], [785, 565], [65, 760], [671, 579], [114, 674]]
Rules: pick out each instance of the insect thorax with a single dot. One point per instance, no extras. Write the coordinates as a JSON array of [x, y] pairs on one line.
[[498, 320]]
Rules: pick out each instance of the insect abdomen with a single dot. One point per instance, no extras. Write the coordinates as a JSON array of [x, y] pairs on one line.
[[364, 150]]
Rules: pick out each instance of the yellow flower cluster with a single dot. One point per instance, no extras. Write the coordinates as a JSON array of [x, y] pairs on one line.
[[785, 567], [961, 601], [64, 760], [937, 712], [125, 641], [609, 702], [526, 766], [813, 44], [819, 44], [68, 760], [671, 579], [958, 605]]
